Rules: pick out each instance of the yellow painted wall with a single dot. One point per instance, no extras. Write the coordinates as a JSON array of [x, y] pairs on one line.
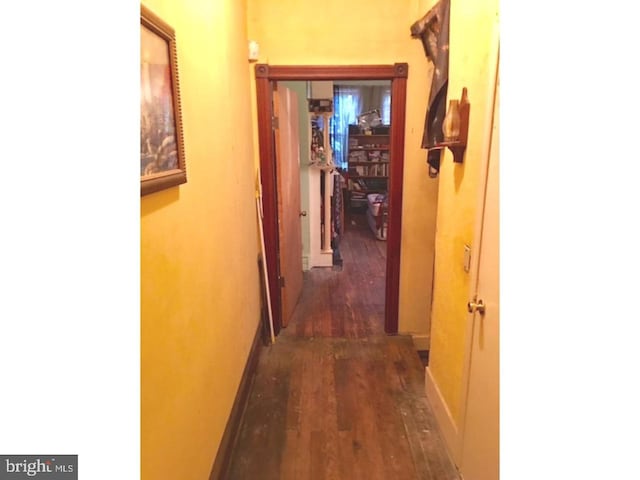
[[472, 24], [200, 297], [334, 32]]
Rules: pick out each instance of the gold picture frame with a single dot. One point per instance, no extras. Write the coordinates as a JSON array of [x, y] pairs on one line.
[[162, 158]]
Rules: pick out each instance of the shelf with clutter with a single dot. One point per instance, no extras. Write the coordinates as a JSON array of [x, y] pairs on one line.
[[455, 127], [368, 159], [369, 165]]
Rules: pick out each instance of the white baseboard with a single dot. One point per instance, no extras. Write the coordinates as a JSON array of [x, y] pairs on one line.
[[420, 341], [322, 259], [446, 423]]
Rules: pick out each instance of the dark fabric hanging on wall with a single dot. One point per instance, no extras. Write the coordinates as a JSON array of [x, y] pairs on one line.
[[433, 30], [337, 205]]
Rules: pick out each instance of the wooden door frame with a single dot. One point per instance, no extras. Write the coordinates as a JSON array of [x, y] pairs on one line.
[[266, 75]]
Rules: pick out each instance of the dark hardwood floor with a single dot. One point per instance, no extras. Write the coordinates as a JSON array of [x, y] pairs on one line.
[[346, 302], [334, 397]]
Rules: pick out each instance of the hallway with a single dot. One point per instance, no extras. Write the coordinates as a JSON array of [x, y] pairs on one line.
[[348, 302], [334, 397]]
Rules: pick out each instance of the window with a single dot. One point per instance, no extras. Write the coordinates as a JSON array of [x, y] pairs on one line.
[[349, 101], [385, 111], [346, 107]]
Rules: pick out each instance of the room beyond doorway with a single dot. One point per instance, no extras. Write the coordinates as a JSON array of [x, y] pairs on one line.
[[343, 162]]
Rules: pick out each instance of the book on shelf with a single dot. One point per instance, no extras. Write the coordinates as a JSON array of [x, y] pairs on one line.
[[374, 156], [358, 156]]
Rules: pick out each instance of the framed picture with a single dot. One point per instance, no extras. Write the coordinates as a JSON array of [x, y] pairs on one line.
[[162, 159]]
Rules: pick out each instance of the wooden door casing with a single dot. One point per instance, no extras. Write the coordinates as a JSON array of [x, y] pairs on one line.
[[266, 76]]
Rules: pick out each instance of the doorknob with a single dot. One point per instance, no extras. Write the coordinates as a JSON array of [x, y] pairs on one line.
[[476, 306], [303, 213]]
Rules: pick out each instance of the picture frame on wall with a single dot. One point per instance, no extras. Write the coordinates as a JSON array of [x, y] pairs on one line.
[[162, 157]]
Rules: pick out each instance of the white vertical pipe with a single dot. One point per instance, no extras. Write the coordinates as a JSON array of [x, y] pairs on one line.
[[327, 211], [327, 186]]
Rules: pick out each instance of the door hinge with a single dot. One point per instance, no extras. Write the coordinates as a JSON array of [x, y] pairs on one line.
[[281, 282], [275, 123]]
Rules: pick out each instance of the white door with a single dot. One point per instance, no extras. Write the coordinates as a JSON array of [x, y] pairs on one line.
[[480, 444]]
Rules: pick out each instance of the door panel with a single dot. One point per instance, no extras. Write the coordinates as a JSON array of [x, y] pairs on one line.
[[287, 142], [481, 450]]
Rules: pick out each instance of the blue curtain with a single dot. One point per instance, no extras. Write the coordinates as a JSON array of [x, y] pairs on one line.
[[347, 104]]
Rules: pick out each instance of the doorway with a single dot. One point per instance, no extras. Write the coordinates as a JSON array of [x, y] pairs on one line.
[[266, 77]]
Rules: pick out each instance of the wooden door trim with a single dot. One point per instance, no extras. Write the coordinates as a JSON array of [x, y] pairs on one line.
[[397, 74], [394, 227], [264, 93]]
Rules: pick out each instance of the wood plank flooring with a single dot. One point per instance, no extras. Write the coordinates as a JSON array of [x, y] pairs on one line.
[[347, 302], [335, 398]]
